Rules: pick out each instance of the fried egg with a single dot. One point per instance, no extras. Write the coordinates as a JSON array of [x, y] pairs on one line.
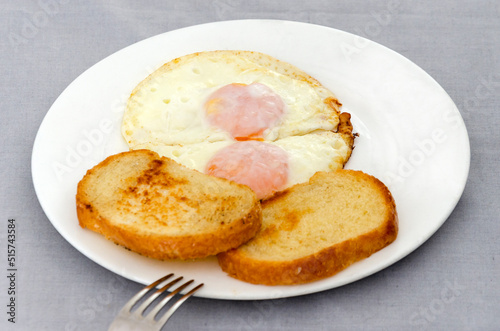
[[244, 116]]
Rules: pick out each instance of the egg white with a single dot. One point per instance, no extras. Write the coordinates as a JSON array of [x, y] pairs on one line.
[[307, 154], [167, 107], [165, 113]]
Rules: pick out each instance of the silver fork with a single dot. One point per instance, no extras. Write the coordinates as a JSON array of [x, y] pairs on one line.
[[129, 319]]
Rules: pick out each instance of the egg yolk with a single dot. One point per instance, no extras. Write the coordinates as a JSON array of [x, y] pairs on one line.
[[245, 111], [261, 166]]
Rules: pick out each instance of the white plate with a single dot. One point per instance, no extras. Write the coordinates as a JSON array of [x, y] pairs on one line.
[[412, 137]]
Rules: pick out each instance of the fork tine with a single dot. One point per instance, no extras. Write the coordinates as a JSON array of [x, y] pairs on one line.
[[128, 306], [165, 300], [176, 305], [137, 319], [152, 315], [142, 308]]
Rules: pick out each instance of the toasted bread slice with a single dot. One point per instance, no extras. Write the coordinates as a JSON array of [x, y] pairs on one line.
[[316, 229], [163, 210]]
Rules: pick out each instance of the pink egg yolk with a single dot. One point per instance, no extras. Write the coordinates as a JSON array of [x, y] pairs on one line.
[[261, 166], [245, 111]]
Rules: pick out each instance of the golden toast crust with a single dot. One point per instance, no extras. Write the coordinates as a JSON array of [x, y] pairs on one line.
[[319, 264], [148, 210]]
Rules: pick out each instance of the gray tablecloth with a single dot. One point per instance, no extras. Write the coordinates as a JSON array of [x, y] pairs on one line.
[[449, 283]]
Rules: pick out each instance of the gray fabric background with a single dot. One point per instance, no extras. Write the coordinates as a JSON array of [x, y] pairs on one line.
[[449, 283]]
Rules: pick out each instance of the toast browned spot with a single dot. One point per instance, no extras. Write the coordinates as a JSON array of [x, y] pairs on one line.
[[316, 229], [163, 210]]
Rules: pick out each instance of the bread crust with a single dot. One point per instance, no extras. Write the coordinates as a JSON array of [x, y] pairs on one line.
[[319, 265], [162, 247]]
